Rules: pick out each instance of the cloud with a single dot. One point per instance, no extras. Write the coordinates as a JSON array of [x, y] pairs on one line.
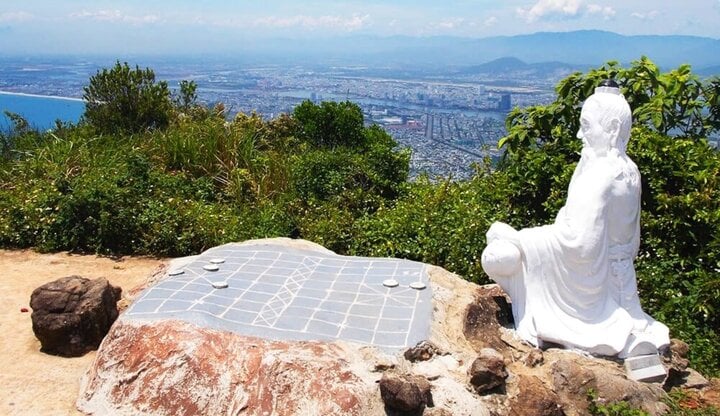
[[490, 21], [354, 22], [606, 12], [114, 16], [16, 17], [543, 8], [651, 15], [449, 23]]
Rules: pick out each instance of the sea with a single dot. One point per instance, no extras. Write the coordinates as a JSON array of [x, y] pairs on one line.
[[40, 111]]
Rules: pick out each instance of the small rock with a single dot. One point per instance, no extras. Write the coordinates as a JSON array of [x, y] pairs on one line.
[[405, 393], [695, 380], [72, 315], [487, 372], [679, 348], [534, 358], [676, 363], [534, 399], [383, 364], [423, 351]]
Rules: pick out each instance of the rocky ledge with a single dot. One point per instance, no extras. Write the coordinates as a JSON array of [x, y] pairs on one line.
[[471, 365]]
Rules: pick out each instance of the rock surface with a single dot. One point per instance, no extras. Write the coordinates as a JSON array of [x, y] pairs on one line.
[[534, 399], [175, 368], [72, 315], [404, 393], [487, 372]]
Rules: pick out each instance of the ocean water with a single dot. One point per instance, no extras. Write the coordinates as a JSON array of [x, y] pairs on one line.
[[40, 111]]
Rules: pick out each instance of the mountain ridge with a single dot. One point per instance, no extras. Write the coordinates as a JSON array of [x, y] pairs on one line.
[[587, 48]]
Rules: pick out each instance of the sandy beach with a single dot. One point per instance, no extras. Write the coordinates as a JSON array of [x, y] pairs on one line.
[[56, 97], [34, 383]]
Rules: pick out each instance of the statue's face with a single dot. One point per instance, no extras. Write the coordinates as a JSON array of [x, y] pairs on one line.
[[592, 132]]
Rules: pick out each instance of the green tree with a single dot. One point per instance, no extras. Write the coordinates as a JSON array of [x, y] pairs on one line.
[[186, 103], [330, 124], [675, 103], [126, 100]]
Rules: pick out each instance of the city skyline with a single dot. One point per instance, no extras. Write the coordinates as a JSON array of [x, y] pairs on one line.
[[103, 26]]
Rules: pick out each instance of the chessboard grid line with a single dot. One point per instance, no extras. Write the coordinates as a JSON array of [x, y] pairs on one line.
[[338, 292]]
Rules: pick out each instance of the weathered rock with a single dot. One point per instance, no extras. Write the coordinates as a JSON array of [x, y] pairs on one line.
[[72, 315], [694, 380], [485, 317], [533, 358], [573, 375], [405, 393], [170, 367], [534, 399], [676, 363], [423, 351], [175, 368], [487, 372]]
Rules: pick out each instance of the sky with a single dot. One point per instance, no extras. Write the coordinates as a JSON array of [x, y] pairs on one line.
[[173, 26]]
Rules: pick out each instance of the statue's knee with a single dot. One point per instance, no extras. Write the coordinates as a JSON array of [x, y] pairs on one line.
[[501, 258]]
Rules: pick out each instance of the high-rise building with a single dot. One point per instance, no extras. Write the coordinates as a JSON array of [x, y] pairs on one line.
[[505, 103]]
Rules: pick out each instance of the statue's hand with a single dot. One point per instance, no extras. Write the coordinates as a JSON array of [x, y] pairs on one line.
[[501, 259]]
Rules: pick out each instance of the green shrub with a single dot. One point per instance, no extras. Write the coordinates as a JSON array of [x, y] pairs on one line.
[[125, 100], [330, 124], [438, 223], [621, 408]]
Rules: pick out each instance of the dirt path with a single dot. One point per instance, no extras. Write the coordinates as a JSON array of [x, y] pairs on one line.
[[31, 382]]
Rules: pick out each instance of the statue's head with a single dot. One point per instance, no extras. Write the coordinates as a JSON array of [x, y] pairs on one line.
[[605, 120]]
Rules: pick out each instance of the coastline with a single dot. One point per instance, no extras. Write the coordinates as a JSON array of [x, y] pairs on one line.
[[54, 97]]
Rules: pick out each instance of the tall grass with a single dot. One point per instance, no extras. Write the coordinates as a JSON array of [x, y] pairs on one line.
[[228, 152]]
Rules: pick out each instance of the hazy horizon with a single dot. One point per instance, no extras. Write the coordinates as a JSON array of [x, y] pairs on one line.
[[212, 26]]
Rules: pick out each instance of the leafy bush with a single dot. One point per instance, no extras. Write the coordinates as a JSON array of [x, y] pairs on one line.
[[330, 124], [438, 223], [125, 100]]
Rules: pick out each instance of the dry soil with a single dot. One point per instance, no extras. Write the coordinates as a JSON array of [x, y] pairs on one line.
[[31, 382]]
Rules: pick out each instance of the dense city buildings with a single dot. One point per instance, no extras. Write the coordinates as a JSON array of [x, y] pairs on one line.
[[450, 120]]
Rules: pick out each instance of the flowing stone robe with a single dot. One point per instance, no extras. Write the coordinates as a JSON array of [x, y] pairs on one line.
[[577, 285]]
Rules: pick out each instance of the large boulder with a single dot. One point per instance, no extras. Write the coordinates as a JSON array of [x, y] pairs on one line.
[[72, 315], [176, 368], [173, 367]]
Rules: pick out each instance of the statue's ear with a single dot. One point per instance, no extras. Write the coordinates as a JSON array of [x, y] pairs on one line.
[[613, 129]]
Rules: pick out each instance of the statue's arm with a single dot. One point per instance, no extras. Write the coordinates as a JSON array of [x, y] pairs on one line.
[[501, 231]]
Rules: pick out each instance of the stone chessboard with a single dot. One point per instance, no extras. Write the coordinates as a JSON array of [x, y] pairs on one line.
[[283, 293]]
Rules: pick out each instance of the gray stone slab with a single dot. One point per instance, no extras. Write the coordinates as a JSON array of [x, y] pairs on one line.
[[648, 368], [282, 293]]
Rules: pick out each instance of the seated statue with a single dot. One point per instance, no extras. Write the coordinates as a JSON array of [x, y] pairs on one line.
[[573, 282]]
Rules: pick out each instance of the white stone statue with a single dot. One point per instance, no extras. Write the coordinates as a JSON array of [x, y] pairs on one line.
[[573, 282]]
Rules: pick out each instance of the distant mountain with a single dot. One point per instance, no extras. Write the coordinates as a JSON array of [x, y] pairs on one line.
[[507, 65], [709, 71], [583, 49], [595, 47]]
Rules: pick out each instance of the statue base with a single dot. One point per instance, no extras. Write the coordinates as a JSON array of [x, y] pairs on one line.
[[646, 368]]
